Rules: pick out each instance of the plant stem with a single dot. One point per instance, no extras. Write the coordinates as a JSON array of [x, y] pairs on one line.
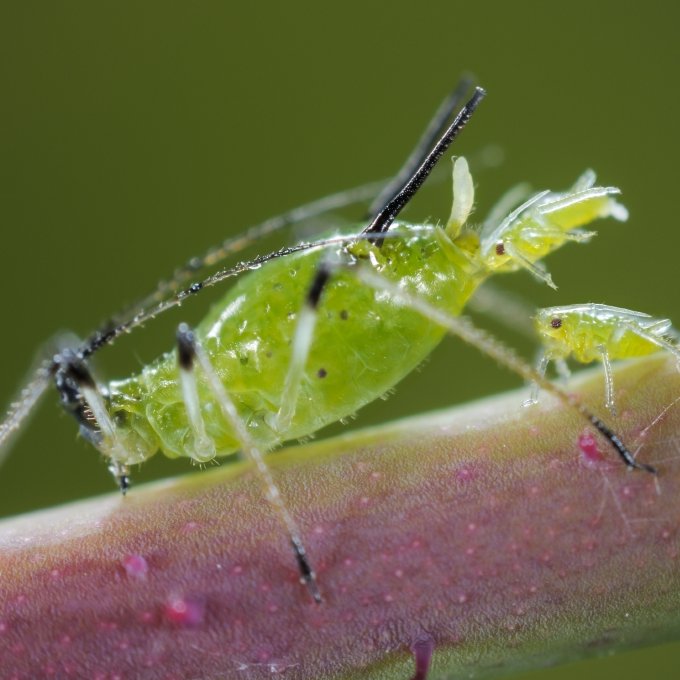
[[496, 537]]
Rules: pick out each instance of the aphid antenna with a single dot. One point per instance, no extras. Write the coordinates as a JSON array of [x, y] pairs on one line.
[[657, 340], [388, 213], [235, 244], [108, 334]]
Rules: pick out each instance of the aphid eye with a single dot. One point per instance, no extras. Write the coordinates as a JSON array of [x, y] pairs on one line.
[[556, 322], [500, 248]]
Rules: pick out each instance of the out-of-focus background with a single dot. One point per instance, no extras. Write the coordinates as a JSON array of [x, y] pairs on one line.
[[135, 135]]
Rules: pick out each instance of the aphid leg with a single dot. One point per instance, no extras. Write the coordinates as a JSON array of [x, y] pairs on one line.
[[24, 404], [302, 342], [563, 369], [203, 446], [192, 351], [532, 267], [541, 367], [466, 331], [435, 128], [82, 397], [608, 379]]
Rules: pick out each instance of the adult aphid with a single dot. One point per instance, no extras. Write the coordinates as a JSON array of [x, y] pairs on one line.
[[321, 330]]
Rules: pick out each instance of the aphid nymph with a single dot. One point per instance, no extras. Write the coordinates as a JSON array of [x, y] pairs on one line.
[[596, 332], [324, 328]]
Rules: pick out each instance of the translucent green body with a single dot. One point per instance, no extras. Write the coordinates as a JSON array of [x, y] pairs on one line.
[[584, 331], [364, 343]]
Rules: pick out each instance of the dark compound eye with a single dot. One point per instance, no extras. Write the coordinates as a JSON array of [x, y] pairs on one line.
[[500, 248], [556, 322]]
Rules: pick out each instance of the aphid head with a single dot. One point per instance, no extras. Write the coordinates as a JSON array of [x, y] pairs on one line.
[[553, 325]]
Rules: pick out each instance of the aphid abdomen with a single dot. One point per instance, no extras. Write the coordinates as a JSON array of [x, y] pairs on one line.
[[364, 343]]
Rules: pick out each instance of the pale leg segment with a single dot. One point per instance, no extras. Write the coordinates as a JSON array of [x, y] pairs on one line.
[[302, 342], [541, 368], [27, 399], [190, 352], [203, 449], [608, 379]]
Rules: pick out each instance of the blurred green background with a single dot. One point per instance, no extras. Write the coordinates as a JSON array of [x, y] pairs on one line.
[[134, 135]]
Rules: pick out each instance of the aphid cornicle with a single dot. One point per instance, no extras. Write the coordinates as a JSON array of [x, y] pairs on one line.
[[321, 330]]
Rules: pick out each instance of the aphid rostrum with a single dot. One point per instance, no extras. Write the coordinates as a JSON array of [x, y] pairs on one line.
[[324, 328], [596, 332]]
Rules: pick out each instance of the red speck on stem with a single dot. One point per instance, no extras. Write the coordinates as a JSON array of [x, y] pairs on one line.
[[136, 567], [591, 454], [183, 611]]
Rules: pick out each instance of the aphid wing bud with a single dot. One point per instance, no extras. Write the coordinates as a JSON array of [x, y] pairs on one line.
[[463, 197]]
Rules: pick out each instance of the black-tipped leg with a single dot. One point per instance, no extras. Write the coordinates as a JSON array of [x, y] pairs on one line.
[[121, 473], [301, 345], [82, 397], [307, 575], [201, 447], [620, 447], [191, 355]]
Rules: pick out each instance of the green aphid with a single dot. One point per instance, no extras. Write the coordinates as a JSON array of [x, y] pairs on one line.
[[312, 333], [594, 332]]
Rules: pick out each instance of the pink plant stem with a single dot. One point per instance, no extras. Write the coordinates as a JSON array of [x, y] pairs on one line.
[[485, 539]]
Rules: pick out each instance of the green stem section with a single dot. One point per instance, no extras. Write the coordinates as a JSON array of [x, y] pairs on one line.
[[496, 538]]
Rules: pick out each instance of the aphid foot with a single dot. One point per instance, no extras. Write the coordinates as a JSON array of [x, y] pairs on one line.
[[307, 575], [121, 473]]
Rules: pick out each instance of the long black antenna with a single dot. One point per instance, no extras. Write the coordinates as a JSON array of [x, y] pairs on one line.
[[382, 221]]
